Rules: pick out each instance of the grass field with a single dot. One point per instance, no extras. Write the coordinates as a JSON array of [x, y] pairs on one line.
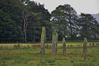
[[29, 55]]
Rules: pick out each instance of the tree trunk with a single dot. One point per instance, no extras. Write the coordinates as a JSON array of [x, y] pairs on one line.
[[25, 26]]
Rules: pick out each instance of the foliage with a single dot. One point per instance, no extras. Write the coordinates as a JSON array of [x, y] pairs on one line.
[[22, 20], [89, 27], [64, 17]]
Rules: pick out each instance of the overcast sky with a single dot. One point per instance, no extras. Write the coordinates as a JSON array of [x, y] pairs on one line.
[[81, 6]]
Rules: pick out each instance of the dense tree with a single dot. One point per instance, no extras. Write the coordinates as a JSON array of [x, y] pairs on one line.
[[39, 17], [89, 27], [10, 21], [21, 20], [65, 18]]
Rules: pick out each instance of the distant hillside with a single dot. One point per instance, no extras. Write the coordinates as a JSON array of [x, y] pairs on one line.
[[96, 16]]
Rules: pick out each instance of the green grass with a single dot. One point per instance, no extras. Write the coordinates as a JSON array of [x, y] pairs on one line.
[[28, 55]]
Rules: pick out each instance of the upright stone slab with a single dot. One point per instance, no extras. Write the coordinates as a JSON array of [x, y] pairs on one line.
[[64, 46], [85, 48], [54, 42], [43, 38]]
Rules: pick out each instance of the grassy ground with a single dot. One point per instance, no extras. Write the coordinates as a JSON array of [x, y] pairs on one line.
[[29, 55]]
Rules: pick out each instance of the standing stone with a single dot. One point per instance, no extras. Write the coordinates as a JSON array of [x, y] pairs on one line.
[[54, 42], [64, 46], [85, 48], [43, 37]]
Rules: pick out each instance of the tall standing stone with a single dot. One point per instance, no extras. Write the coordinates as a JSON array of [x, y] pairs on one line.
[[64, 46], [43, 38], [54, 42], [85, 48]]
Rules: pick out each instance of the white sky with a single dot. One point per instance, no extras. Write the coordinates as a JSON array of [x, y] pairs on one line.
[[81, 6]]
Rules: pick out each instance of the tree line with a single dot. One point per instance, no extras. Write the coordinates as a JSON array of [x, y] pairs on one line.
[[22, 21]]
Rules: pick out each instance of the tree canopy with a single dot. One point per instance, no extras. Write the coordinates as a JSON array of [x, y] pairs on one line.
[[22, 21]]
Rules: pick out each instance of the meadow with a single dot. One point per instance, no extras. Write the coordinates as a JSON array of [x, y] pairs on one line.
[[18, 54]]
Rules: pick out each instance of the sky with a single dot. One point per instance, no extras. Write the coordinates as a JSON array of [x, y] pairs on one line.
[[81, 6]]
